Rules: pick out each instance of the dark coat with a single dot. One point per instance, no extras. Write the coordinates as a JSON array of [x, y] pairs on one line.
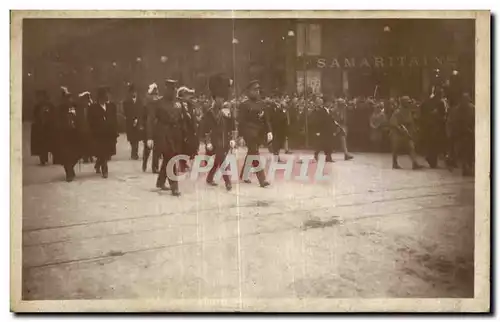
[[279, 120], [83, 124], [104, 128], [43, 129], [322, 123], [191, 141], [253, 120], [165, 126], [132, 113], [68, 148], [218, 128]]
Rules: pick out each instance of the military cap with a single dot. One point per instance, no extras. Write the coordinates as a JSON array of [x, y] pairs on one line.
[[252, 84], [170, 82]]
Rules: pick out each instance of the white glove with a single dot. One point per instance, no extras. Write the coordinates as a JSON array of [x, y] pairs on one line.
[[269, 137], [317, 134], [232, 144], [150, 144], [135, 122], [209, 147]]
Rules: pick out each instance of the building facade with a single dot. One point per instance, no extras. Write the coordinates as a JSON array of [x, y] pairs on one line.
[[381, 58]]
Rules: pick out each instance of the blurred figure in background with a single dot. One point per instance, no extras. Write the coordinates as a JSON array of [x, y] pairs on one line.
[[43, 127], [132, 108]]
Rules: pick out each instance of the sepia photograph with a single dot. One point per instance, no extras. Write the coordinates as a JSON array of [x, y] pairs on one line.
[[279, 161]]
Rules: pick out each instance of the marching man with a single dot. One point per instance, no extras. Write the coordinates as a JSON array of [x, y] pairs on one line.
[[218, 126], [253, 123]]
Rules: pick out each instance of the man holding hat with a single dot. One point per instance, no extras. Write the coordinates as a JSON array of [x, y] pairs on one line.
[[254, 123], [132, 110], [104, 128], [218, 126], [402, 132], [69, 147], [164, 128]]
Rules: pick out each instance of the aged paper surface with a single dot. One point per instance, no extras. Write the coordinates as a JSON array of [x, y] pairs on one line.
[[307, 296]]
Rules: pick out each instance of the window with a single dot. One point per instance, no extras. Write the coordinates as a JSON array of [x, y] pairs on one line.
[[308, 39]]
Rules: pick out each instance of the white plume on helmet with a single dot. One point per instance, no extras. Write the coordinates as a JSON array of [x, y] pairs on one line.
[[152, 87]]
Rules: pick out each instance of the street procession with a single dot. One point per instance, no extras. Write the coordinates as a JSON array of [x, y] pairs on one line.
[[170, 119], [248, 158]]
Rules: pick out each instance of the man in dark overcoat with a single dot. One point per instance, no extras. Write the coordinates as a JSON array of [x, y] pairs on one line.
[[43, 127], [104, 128], [132, 108]]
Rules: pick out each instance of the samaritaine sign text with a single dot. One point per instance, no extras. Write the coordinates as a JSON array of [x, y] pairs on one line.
[[380, 61]]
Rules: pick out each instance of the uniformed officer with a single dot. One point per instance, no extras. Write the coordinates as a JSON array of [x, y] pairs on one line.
[[191, 142], [165, 131], [254, 125], [132, 108], [69, 148], [402, 133], [43, 127], [152, 100], [104, 128], [218, 127]]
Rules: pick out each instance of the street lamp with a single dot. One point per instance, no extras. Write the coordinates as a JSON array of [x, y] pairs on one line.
[[163, 59], [235, 41], [138, 59], [196, 47], [387, 29], [291, 33]]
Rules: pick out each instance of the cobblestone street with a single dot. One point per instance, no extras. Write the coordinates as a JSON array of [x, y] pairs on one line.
[[369, 232]]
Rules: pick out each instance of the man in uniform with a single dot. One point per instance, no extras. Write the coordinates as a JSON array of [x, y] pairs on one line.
[[323, 127], [152, 100], [42, 129], [132, 107], [191, 142], [69, 148], [402, 131], [218, 126], [104, 128], [254, 123], [165, 129]]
